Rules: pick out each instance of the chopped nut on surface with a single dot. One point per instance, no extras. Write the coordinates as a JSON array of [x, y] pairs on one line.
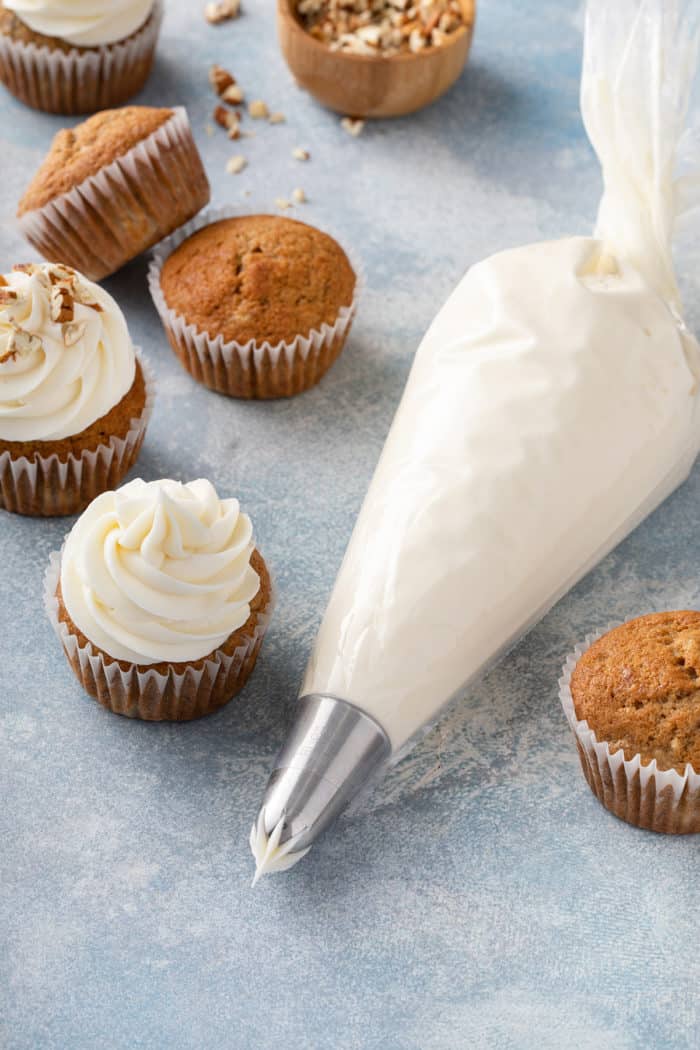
[[299, 153], [353, 126], [3, 282], [277, 118], [235, 165], [220, 79], [225, 118], [258, 110], [222, 11], [29, 268], [299, 197], [233, 94], [8, 296], [381, 27], [282, 203]]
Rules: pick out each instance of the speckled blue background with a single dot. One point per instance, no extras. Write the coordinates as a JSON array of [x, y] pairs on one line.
[[481, 897]]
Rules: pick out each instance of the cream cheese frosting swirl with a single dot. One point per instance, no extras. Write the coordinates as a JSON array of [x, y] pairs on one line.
[[66, 358], [159, 572], [85, 23]]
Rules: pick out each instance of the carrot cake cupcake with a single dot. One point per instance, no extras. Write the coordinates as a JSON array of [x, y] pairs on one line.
[[160, 599], [112, 187], [633, 700], [74, 397], [255, 306], [66, 57]]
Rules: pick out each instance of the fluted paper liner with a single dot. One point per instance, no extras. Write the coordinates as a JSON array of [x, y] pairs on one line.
[[142, 692], [248, 370], [639, 793], [126, 207], [75, 82], [50, 487]]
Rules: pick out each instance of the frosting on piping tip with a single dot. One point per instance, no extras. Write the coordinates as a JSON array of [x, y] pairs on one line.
[[66, 358], [159, 572], [271, 858], [85, 23]]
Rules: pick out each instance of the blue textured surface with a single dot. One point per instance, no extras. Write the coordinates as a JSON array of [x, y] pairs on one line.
[[482, 897]]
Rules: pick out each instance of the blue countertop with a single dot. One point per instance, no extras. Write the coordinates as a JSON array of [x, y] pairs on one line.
[[481, 897]]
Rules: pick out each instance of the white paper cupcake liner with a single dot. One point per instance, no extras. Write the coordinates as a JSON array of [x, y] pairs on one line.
[[146, 693], [74, 82], [641, 794], [249, 370], [127, 207], [47, 486]]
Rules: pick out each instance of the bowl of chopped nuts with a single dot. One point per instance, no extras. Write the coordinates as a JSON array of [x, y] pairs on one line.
[[376, 58]]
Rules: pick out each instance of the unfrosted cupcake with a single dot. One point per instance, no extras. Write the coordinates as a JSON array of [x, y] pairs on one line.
[[632, 698], [70, 57], [74, 397], [254, 306], [112, 187], [160, 599]]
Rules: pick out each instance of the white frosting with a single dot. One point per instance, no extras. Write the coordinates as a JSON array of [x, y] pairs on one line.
[[529, 434], [57, 378], [159, 572], [85, 23], [271, 858]]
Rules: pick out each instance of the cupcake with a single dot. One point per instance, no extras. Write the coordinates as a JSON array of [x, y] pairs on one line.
[[633, 701], [254, 306], [66, 57], [160, 599], [74, 397], [112, 187]]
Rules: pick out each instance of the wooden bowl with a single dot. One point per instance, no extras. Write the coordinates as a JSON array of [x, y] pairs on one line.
[[368, 85]]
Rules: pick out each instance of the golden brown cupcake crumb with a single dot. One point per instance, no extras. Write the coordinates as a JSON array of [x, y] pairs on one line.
[[258, 277], [77, 153], [638, 687]]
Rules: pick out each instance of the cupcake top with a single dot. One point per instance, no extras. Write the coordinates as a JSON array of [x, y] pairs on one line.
[[79, 152], [159, 572], [258, 277], [84, 23], [66, 358], [638, 687]]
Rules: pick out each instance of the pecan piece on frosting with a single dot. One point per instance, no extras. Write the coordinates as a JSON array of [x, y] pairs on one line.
[[8, 296], [59, 274], [73, 332], [62, 304], [20, 344]]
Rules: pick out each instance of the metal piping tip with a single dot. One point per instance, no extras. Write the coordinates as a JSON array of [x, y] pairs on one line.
[[332, 751]]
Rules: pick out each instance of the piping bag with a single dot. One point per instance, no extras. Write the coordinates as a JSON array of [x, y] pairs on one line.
[[552, 405]]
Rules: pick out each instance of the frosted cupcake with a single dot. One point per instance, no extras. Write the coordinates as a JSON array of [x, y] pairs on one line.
[[74, 397], [254, 306], [160, 599], [632, 699], [112, 187], [66, 57]]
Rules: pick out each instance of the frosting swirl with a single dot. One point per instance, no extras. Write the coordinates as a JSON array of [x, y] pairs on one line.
[[159, 572], [66, 358], [85, 23]]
